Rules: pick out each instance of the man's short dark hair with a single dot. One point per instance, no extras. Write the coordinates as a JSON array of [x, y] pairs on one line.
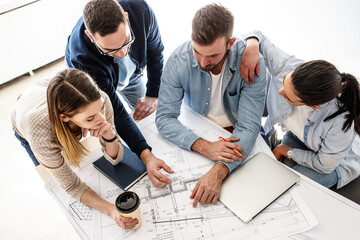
[[211, 22], [103, 16]]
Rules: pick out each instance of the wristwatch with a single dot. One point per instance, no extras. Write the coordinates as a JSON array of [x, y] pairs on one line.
[[289, 153]]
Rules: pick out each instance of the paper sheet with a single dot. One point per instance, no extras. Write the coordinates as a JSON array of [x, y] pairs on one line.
[[168, 213]]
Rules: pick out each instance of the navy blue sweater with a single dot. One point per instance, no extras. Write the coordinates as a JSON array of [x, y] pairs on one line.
[[147, 49]]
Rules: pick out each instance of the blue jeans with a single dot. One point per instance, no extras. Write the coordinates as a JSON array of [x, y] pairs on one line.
[[26, 145], [135, 90], [327, 180]]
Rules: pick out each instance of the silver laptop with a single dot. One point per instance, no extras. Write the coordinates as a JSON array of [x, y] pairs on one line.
[[256, 184]]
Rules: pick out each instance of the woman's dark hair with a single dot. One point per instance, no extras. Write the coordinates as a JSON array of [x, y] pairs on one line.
[[317, 82]]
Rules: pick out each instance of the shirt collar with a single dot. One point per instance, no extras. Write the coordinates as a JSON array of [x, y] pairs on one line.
[[324, 108]]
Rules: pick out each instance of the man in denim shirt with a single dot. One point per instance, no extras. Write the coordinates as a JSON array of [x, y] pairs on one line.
[[205, 73]]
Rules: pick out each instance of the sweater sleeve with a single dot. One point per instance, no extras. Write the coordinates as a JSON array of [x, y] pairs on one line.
[[49, 153]]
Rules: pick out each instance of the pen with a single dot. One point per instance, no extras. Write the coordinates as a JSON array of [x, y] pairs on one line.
[[235, 150]]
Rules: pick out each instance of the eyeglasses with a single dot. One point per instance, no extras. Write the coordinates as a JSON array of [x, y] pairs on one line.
[[123, 48]]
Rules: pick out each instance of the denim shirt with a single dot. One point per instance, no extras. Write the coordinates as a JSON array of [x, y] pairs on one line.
[[183, 79], [332, 148]]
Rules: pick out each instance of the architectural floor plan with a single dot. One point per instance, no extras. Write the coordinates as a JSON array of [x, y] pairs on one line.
[[168, 213]]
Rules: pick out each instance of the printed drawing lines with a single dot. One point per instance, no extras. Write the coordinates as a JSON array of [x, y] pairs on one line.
[[81, 211], [167, 213]]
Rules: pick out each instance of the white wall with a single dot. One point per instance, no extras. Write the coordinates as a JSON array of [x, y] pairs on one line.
[[35, 34], [309, 29]]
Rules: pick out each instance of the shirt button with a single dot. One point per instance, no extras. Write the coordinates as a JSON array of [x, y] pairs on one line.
[[208, 89], [203, 114], [206, 103]]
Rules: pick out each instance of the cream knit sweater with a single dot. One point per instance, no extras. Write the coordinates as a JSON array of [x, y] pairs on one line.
[[30, 120]]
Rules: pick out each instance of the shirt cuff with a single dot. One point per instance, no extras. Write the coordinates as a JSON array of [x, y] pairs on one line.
[[250, 35], [232, 166], [189, 141], [297, 154], [80, 191]]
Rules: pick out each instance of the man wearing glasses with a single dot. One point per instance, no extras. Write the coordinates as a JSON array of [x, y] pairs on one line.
[[113, 44], [205, 73]]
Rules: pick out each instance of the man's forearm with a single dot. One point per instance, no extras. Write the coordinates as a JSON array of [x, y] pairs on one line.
[[252, 42], [221, 169], [146, 156], [199, 146]]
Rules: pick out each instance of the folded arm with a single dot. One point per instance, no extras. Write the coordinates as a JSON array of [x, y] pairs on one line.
[[333, 149]]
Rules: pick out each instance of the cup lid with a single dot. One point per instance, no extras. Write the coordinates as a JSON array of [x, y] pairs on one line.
[[127, 202]]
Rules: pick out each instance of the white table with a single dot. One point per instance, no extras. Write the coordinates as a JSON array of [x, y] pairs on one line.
[[338, 217]]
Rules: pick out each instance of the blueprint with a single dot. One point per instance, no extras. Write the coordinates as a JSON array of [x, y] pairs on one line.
[[80, 215], [167, 213]]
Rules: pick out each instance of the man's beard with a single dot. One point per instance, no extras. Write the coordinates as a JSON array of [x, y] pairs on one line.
[[209, 68]]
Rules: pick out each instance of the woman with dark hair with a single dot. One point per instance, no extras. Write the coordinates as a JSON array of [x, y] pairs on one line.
[[50, 118], [317, 106]]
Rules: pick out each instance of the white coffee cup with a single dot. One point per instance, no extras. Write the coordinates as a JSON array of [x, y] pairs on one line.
[[128, 204]]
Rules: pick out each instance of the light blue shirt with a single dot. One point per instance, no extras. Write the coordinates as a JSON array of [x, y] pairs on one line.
[[127, 68], [332, 148], [184, 79]]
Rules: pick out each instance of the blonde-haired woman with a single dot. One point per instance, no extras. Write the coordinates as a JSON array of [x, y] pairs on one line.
[[50, 118]]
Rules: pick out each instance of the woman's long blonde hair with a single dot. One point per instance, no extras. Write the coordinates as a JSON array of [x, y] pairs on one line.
[[68, 91]]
